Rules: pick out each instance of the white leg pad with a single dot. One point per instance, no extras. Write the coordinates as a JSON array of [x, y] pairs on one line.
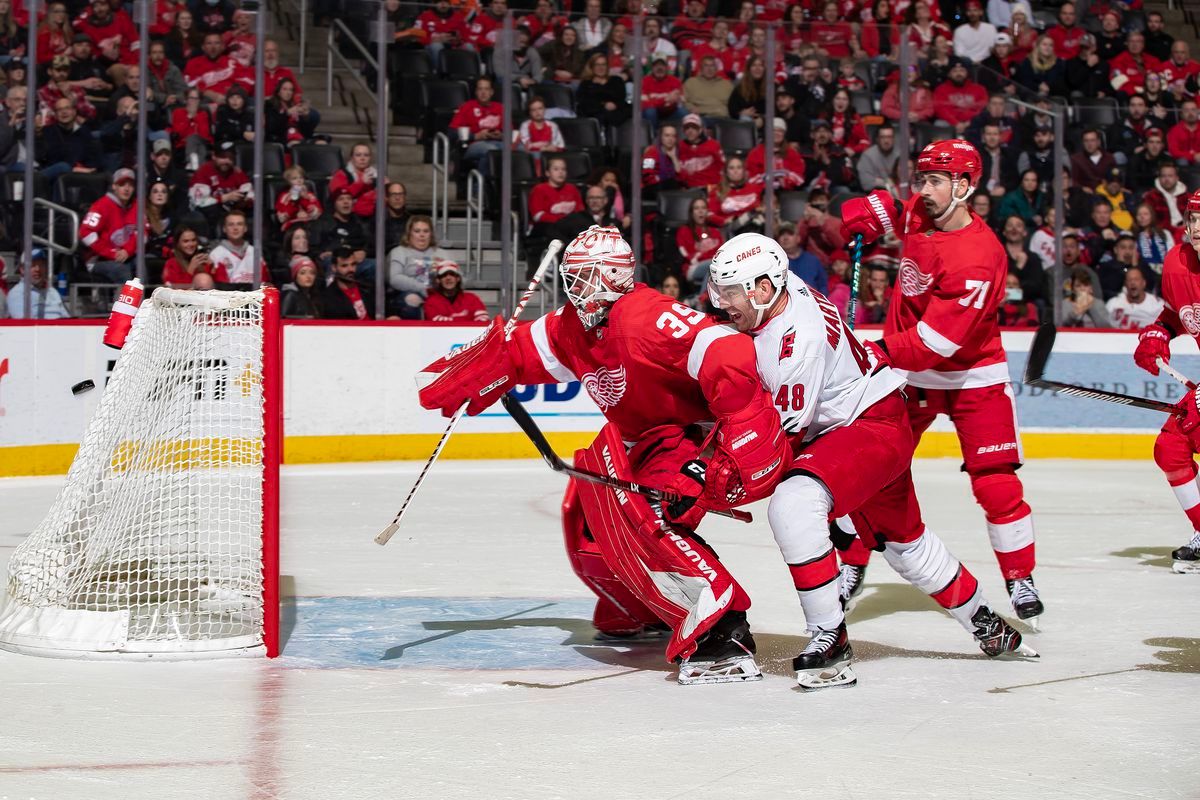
[[924, 562], [799, 517], [1010, 537]]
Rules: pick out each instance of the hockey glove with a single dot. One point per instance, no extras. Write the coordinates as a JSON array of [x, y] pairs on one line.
[[880, 357], [1154, 342], [752, 455], [478, 373], [872, 216], [689, 485]]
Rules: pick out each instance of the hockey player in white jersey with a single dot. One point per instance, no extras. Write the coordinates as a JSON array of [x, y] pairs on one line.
[[853, 447]]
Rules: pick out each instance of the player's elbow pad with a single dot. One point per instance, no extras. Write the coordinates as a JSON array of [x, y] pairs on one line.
[[752, 454]]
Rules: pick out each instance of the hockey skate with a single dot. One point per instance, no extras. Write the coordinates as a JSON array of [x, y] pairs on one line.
[[724, 655], [647, 633], [1186, 559], [825, 662], [851, 581], [1025, 601], [998, 639]]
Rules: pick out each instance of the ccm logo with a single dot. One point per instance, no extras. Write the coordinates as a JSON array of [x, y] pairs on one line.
[[743, 256], [996, 448]]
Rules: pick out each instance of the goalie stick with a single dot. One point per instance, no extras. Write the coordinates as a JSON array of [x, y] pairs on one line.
[[517, 411], [547, 259], [1039, 354]]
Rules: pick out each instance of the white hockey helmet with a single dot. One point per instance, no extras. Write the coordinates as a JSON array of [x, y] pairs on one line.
[[741, 262], [597, 270]]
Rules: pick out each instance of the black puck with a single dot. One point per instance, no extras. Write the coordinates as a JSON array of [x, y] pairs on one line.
[[83, 386]]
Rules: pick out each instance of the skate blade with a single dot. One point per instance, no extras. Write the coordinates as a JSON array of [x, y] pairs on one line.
[[1034, 623], [731, 670], [836, 676], [1185, 567], [1023, 653]]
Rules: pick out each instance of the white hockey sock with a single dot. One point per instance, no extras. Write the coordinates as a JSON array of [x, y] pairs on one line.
[[928, 565], [799, 513]]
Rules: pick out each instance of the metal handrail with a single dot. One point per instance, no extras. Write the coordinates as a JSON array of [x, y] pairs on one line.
[[441, 184], [474, 265], [51, 245], [331, 50], [516, 248]]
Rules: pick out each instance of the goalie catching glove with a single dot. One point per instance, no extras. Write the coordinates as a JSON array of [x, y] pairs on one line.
[[478, 374]]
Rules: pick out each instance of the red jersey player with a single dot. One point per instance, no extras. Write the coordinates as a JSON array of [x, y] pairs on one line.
[[853, 446], [1180, 436], [942, 330], [657, 370]]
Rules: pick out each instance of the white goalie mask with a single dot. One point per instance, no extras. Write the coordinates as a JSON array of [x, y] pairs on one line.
[[737, 267], [597, 270]]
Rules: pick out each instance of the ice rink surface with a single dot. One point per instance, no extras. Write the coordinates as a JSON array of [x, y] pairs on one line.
[[458, 662]]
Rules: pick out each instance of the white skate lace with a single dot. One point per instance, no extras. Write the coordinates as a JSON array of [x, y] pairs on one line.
[[821, 641], [1194, 544], [850, 578], [1023, 591]]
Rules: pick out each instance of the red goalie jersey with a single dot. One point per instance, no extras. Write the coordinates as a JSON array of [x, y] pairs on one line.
[[942, 326]]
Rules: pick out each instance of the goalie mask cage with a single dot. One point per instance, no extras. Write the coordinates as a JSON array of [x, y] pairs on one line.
[[163, 542]]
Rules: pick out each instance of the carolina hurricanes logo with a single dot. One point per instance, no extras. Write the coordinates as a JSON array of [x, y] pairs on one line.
[[605, 386], [1190, 317], [912, 281]]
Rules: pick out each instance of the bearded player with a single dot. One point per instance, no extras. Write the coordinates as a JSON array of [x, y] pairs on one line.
[[1180, 436], [659, 371], [852, 443], [942, 330]]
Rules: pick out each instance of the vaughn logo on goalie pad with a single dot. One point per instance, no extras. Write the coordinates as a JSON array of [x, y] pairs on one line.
[[606, 387]]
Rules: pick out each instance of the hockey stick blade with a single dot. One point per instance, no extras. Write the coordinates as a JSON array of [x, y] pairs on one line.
[[1039, 351], [526, 423]]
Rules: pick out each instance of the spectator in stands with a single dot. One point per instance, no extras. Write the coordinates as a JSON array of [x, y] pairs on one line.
[[692, 28], [446, 300], [167, 85], [958, 100], [298, 203], [360, 178], [874, 297], [808, 87], [191, 130], [235, 119], [214, 15], [999, 163], [118, 136], [923, 28], [670, 287], [527, 67], [981, 204], [187, 259], [846, 124], [1090, 165], [920, 98], [818, 231], [233, 258], [410, 267], [219, 187], [803, 264], [1183, 140], [69, 145], [1143, 166], [973, 41], [833, 38], [662, 94], [595, 212], [785, 109], [1084, 309], [1180, 68], [108, 229], [549, 202], [701, 160], [788, 165], [295, 243], [707, 93], [214, 71], [719, 48], [158, 229], [445, 27], [1015, 310], [1128, 137], [736, 202], [339, 226], [301, 299], [54, 34], [537, 134], [184, 41], [654, 45], [542, 24], [1134, 309], [880, 35], [87, 71], [1100, 236], [1129, 69], [1153, 241], [607, 179], [44, 300], [748, 100], [593, 29], [57, 87], [1113, 190], [1162, 103], [481, 120], [1087, 73], [1158, 41], [1066, 34], [273, 72], [697, 242], [1028, 201], [601, 95], [1040, 156], [1110, 41], [162, 169], [935, 69], [483, 26], [1043, 242], [1022, 261], [345, 297], [661, 162], [112, 33], [563, 58], [289, 118], [396, 220], [878, 162], [1168, 197], [996, 113], [1043, 72], [997, 72], [826, 164], [240, 41], [1114, 265]]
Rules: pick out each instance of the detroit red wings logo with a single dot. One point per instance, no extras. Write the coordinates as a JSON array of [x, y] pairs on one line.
[[1189, 315], [606, 387], [912, 281]]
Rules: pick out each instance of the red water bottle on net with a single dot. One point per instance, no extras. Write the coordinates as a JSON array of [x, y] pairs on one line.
[[123, 312]]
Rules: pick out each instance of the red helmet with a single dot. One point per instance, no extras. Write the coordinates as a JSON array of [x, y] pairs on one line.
[[1193, 206], [956, 156]]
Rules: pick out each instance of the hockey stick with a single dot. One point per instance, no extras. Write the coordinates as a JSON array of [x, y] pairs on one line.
[[547, 260], [517, 411], [852, 306], [1039, 354], [1176, 374]]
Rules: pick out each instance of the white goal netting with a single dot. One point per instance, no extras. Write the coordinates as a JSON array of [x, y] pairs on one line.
[[154, 545]]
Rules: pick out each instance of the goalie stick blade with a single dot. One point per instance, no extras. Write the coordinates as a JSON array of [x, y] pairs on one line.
[[1039, 352], [517, 411]]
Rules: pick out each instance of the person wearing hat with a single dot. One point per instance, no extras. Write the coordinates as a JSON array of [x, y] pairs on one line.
[[86, 70], [1087, 73], [339, 226], [447, 302], [707, 93], [655, 46], [68, 145], [825, 164], [973, 41], [219, 186], [997, 70], [59, 85], [235, 119], [789, 165], [112, 32], [44, 300], [109, 229], [701, 160], [301, 299], [785, 109], [162, 168], [959, 99], [662, 94]]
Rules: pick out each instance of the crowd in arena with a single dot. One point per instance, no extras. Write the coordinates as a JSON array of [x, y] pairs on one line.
[[837, 88]]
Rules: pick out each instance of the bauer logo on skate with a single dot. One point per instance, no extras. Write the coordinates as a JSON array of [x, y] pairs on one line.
[[606, 387], [912, 281]]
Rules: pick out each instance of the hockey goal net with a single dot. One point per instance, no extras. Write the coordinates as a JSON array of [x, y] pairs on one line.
[[164, 540]]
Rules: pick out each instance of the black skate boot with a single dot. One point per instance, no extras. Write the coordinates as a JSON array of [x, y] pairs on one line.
[[998, 639], [851, 580], [1187, 558], [724, 655], [1025, 601], [825, 662]]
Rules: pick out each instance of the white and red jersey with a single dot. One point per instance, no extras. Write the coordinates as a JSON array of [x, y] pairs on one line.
[[548, 203], [433, 23], [208, 183], [655, 363], [217, 75], [534, 138], [1180, 290], [359, 185], [665, 92], [463, 308], [737, 201], [702, 163], [942, 326], [818, 373], [1178, 73], [117, 35], [108, 227], [290, 207], [478, 117], [233, 263], [482, 31]]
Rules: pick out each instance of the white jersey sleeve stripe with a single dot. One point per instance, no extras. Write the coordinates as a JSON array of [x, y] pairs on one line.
[[936, 342], [550, 361], [700, 346]]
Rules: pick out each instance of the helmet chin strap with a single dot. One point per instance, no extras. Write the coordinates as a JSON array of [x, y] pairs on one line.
[[955, 202], [762, 309]]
